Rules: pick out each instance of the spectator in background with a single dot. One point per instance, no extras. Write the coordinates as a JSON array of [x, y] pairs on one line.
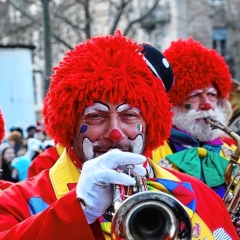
[[7, 156], [34, 147], [20, 167], [31, 130], [18, 129], [3, 184], [47, 142], [16, 141]]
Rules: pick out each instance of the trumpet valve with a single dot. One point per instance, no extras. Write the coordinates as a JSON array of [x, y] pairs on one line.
[[117, 199]]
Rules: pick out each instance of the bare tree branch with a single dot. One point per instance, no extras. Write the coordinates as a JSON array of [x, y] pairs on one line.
[[58, 38], [141, 18], [118, 15]]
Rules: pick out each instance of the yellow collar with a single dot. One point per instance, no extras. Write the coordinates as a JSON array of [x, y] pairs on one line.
[[62, 173]]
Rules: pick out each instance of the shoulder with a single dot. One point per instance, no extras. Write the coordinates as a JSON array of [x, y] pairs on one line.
[[50, 153], [39, 185]]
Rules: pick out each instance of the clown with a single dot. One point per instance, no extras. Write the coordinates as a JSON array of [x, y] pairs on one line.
[[107, 105], [202, 84]]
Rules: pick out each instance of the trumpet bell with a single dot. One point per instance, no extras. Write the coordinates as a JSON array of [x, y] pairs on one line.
[[151, 216]]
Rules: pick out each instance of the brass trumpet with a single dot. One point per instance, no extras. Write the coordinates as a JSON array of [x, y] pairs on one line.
[[148, 215], [232, 176]]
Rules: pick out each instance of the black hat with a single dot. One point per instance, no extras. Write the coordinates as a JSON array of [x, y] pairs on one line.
[[158, 64], [30, 128]]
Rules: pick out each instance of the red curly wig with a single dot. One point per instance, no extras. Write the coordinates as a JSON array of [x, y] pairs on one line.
[[105, 66], [195, 66], [2, 131]]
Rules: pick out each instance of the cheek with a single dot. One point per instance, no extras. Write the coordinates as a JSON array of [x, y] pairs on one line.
[[188, 106], [93, 133], [215, 104], [136, 129]]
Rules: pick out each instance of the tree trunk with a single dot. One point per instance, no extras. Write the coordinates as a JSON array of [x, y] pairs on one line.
[[47, 43]]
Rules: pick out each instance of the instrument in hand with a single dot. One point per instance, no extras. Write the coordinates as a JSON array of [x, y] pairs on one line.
[[232, 175], [141, 214]]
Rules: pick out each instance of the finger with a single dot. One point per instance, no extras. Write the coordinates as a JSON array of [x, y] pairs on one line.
[[117, 158], [114, 177], [138, 170]]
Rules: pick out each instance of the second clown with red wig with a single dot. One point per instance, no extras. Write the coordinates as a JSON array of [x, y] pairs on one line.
[[201, 87]]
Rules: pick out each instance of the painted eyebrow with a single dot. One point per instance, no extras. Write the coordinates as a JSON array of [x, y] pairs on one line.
[[213, 90], [195, 92], [97, 106], [125, 107]]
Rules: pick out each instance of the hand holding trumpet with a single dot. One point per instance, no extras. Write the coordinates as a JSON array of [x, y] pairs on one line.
[[95, 186]]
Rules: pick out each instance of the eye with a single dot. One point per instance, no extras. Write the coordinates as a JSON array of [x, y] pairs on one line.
[[194, 96], [130, 116], [95, 118], [212, 96]]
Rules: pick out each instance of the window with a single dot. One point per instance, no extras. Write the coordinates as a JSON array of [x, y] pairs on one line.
[[220, 40]]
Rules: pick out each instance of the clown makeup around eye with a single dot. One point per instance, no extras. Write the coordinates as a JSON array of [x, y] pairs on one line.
[[197, 95], [128, 114], [95, 114]]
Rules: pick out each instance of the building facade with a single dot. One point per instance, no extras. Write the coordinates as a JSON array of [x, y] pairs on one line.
[[154, 21]]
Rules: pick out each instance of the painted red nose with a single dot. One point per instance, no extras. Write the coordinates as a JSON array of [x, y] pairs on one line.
[[115, 135], [207, 106]]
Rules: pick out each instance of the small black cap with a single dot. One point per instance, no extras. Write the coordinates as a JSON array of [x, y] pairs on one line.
[[158, 64]]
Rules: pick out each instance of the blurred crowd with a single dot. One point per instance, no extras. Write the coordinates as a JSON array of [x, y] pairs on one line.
[[17, 151]]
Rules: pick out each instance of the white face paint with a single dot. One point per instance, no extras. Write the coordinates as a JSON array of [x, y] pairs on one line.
[[95, 107], [88, 149], [125, 107], [137, 145]]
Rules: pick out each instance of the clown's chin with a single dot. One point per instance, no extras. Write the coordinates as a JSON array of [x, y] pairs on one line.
[[193, 123]]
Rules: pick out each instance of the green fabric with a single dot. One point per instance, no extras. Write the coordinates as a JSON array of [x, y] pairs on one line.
[[212, 167]]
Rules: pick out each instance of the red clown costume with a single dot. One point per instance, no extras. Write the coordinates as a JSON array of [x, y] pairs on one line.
[[45, 206]]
